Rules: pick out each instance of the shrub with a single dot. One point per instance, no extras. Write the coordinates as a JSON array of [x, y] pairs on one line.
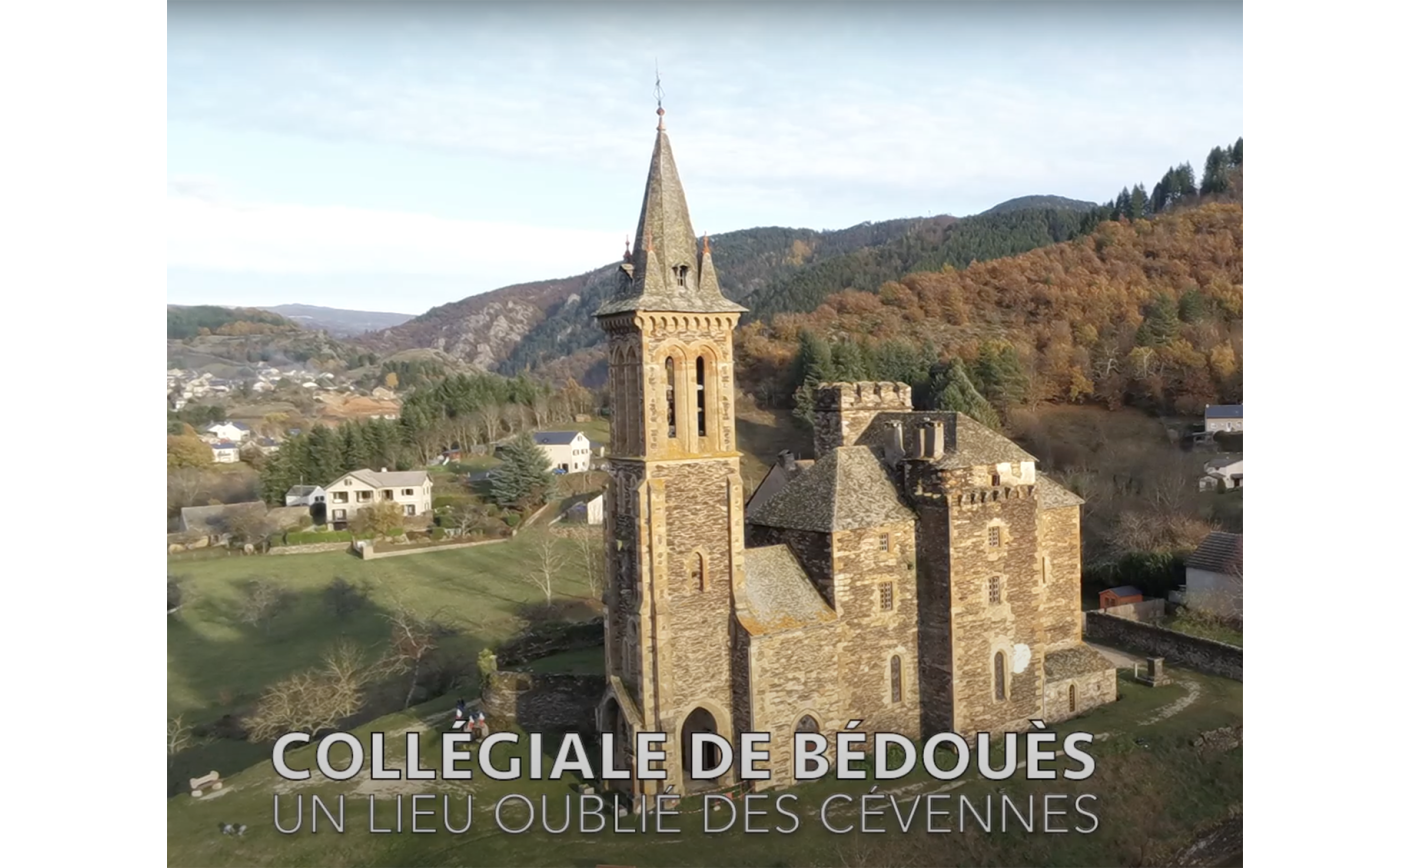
[[438, 533], [511, 519]]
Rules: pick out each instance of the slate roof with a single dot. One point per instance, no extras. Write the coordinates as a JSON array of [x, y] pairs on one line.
[[967, 442], [1071, 662], [772, 483], [844, 490], [1054, 496], [555, 438], [225, 444], [664, 240], [1124, 591], [301, 491], [776, 595], [1220, 552], [241, 426], [390, 479], [1224, 411]]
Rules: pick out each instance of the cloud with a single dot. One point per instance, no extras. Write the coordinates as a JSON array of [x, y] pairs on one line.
[[213, 234]]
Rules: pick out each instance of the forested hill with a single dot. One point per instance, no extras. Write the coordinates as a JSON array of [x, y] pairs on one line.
[[1026, 202], [1146, 311]]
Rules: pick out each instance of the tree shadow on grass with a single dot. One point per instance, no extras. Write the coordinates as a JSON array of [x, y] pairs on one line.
[[227, 672]]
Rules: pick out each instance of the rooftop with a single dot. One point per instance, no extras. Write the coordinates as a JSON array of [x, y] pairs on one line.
[[1224, 411], [556, 438], [1071, 662], [1054, 496], [776, 595], [844, 490], [390, 479], [1221, 553], [1124, 591]]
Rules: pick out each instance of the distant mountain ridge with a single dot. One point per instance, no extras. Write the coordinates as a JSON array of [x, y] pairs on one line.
[[1055, 202], [339, 322]]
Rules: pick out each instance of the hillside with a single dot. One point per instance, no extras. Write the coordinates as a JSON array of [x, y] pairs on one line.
[[1147, 312], [336, 321], [188, 321], [1026, 202]]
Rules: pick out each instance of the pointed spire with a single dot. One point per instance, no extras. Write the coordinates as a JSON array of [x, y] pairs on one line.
[[667, 272], [627, 254], [707, 243]]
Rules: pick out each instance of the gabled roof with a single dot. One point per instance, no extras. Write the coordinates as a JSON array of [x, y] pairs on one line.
[[1224, 411], [1054, 496], [1124, 591], [967, 442], [302, 490], [390, 479], [772, 483], [556, 438], [844, 490], [225, 444], [776, 594], [1221, 553], [210, 519]]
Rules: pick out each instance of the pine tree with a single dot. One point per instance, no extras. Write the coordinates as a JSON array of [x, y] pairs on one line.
[[1123, 203], [1138, 202], [1216, 172], [1161, 323], [812, 365], [848, 364], [1160, 194], [325, 457], [524, 477], [1236, 153], [999, 374], [960, 396], [1185, 181]]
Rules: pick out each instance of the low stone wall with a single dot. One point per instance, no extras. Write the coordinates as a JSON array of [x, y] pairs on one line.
[[310, 548], [1179, 649], [543, 702], [549, 639], [370, 552], [1146, 611]]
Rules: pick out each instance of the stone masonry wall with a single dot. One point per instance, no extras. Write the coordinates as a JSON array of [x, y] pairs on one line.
[[1089, 690], [842, 411], [869, 636], [799, 670], [1061, 583], [1178, 649], [933, 613], [1014, 626], [543, 702]]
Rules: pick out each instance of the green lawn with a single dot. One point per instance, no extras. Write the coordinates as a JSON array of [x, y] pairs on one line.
[[1154, 791], [589, 661], [1205, 629], [216, 664]]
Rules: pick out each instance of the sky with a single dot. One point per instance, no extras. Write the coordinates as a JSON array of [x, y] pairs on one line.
[[394, 157]]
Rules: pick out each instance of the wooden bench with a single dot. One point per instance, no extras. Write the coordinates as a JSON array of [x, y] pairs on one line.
[[211, 781]]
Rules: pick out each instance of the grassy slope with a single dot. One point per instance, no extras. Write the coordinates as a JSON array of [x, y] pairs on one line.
[[1153, 789]]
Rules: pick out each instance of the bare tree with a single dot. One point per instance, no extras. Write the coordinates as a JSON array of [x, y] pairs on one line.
[[544, 563], [466, 517], [413, 640], [317, 699], [178, 737], [251, 524], [591, 555], [492, 416], [185, 486], [261, 602], [540, 408]]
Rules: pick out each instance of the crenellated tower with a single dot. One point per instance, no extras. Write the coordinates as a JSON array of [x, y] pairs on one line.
[[673, 520]]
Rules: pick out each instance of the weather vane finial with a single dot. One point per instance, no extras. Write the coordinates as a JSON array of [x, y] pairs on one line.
[[660, 112]]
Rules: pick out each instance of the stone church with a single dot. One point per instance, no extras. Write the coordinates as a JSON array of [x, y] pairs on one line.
[[919, 575]]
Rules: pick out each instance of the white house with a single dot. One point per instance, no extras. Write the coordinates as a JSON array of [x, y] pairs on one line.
[[588, 511], [225, 452], [568, 451], [236, 431], [349, 493], [1214, 575], [1228, 470], [1223, 417], [305, 495]]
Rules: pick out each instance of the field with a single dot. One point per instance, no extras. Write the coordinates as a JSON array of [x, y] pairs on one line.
[[1155, 791], [217, 663]]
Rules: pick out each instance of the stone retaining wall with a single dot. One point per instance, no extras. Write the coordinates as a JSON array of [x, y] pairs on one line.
[[543, 702], [1179, 649]]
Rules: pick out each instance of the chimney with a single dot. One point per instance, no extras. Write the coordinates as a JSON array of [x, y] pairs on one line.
[[787, 460], [894, 449], [384, 470], [932, 439]]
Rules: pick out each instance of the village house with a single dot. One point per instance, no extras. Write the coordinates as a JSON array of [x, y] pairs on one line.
[[305, 495], [568, 451], [351, 492], [225, 452], [236, 431], [1119, 596], [1223, 417], [1226, 472], [586, 509], [1214, 576]]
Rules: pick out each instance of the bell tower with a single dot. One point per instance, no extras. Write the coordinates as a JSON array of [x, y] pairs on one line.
[[674, 516]]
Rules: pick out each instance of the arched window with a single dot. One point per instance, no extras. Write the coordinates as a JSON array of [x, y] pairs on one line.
[[807, 724], [680, 272], [895, 679], [999, 692], [670, 397], [697, 571], [1072, 697], [700, 395]]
